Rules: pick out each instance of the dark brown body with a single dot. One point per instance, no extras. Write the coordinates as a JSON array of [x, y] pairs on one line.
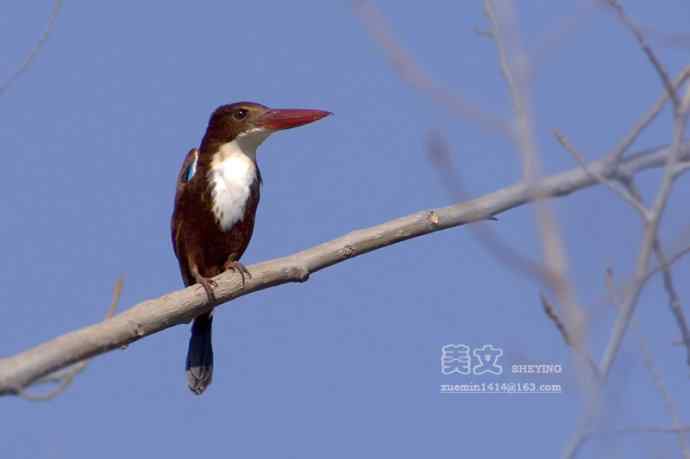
[[197, 238]]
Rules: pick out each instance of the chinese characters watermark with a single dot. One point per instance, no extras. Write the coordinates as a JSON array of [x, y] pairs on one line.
[[457, 359]]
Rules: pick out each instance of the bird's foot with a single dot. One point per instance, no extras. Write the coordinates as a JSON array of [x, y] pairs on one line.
[[208, 284], [240, 268]]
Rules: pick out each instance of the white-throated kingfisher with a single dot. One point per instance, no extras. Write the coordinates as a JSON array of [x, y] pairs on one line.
[[217, 194]]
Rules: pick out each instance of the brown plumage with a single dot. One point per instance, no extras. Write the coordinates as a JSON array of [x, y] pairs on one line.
[[202, 247], [216, 197]]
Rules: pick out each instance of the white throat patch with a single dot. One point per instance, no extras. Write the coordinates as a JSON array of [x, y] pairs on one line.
[[232, 173]]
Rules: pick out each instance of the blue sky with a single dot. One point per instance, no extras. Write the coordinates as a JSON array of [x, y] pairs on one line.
[[348, 363]]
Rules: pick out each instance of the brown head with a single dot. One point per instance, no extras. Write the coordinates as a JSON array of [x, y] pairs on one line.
[[252, 123]]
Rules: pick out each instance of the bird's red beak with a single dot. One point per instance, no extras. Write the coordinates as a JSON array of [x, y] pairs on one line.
[[286, 118]]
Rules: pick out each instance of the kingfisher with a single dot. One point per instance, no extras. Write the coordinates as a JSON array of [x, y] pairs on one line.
[[216, 197]]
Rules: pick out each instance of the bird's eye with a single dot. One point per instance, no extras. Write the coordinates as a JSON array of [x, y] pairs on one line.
[[240, 114]]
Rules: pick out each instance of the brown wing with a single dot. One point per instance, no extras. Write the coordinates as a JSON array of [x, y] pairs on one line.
[[176, 222]]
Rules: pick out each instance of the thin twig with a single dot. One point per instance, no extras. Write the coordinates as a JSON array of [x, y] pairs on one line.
[[559, 28], [615, 295], [517, 71], [441, 157], [664, 266], [66, 377], [617, 153], [411, 72], [639, 36], [681, 168], [670, 262], [29, 59], [669, 403], [686, 101], [551, 313], [612, 185]]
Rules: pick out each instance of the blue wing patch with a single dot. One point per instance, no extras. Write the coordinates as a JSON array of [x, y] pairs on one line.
[[191, 170]]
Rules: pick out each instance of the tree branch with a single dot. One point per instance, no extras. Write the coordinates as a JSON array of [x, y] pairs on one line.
[[64, 378], [180, 307], [31, 56], [412, 73]]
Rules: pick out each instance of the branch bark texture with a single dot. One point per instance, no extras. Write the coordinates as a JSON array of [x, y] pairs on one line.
[[152, 316]]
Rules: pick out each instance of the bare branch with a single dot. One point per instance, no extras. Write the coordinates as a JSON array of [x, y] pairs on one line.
[[673, 259], [674, 299], [24, 66], [665, 268], [180, 307], [439, 153], [639, 36], [551, 313], [517, 71], [669, 403], [686, 101], [681, 168], [66, 377], [560, 28], [612, 185], [409, 70], [646, 119]]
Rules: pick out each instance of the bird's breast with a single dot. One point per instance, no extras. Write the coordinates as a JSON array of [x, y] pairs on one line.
[[231, 178]]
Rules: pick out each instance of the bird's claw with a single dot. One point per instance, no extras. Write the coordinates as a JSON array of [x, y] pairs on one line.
[[240, 268], [208, 285]]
